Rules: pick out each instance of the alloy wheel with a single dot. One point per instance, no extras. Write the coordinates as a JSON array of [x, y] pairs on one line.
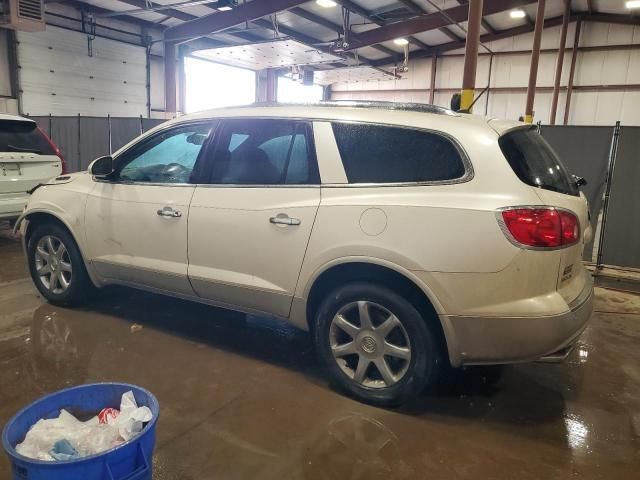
[[370, 344], [53, 264]]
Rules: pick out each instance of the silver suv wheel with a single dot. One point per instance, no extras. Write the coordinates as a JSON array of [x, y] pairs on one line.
[[53, 264], [370, 344]]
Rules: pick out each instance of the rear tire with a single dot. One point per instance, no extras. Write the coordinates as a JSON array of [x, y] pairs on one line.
[[376, 345], [56, 265]]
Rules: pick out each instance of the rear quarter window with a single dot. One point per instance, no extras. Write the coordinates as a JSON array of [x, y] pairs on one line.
[[535, 163], [387, 154], [20, 136]]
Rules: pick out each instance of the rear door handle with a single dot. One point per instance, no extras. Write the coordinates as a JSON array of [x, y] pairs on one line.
[[169, 212], [284, 219]]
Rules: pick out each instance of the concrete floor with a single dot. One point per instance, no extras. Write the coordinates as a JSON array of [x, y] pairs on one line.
[[243, 397]]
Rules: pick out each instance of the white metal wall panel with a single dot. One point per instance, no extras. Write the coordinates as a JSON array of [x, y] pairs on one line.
[[157, 83], [611, 68], [5, 76], [57, 75]]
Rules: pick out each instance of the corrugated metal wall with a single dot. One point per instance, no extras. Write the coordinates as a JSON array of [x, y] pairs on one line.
[[59, 76], [617, 67], [83, 139]]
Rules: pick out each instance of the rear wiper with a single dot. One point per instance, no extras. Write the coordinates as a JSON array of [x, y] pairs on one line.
[[13, 148]]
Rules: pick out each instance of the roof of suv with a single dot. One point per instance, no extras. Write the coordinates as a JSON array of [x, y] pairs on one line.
[[417, 115], [15, 118]]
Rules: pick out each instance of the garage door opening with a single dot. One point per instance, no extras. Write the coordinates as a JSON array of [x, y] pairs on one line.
[[290, 91], [213, 85]]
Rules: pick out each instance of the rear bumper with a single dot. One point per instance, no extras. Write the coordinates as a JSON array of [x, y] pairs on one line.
[[490, 340], [12, 205]]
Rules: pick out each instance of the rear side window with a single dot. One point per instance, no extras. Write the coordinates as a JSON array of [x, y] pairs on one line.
[[23, 137], [264, 152], [535, 163], [384, 154]]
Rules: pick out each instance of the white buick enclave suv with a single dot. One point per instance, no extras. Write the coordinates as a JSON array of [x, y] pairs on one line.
[[402, 236]]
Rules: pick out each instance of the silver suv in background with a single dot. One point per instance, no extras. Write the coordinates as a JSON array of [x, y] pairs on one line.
[[27, 158]]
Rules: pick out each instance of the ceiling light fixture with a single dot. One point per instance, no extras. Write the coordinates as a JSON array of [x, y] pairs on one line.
[[517, 13], [632, 4], [401, 41], [326, 3]]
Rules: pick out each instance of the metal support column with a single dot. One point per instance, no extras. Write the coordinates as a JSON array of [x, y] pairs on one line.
[[272, 85], [613, 153], [574, 57], [170, 77], [535, 57], [560, 61], [471, 54], [182, 81], [432, 84]]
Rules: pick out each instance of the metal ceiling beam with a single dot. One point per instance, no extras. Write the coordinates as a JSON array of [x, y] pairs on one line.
[[219, 21], [590, 6], [430, 21], [308, 40], [88, 7], [620, 19], [489, 37], [185, 17], [411, 5], [296, 35], [312, 17], [355, 8], [487, 26], [170, 12]]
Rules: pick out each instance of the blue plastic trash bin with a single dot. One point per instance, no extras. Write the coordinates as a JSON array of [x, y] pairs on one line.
[[129, 461]]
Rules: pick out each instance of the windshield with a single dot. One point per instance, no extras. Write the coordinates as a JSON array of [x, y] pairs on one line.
[[535, 163]]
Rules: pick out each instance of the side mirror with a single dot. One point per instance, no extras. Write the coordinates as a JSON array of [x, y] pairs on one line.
[[579, 181], [101, 166]]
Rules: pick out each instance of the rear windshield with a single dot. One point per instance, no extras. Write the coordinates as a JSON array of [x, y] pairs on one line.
[[19, 136], [535, 163]]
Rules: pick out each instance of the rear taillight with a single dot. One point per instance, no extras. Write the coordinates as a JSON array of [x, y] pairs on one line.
[[540, 227], [55, 149]]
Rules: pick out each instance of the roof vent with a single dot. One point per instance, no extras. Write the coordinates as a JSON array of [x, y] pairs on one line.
[[392, 13]]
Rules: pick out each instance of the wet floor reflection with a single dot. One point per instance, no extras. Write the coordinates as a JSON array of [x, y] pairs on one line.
[[243, 397]]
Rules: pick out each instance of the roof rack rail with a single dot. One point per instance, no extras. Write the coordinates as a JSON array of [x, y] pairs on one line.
[[410, 107]]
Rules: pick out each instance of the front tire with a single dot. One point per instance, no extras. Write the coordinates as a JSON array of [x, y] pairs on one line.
[[56, 266], [376, 345]]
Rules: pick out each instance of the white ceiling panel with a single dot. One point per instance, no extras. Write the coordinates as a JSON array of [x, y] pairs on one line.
[[274, 54], [433, 37], [333, 14], [350, 75], [372, 53]]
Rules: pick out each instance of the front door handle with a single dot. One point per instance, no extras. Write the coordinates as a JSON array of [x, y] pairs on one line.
[[169, 212], [284, 219]]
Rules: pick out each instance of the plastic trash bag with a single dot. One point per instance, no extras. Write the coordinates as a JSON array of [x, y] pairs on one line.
[[63, 450], [66, 437], [132, 418]]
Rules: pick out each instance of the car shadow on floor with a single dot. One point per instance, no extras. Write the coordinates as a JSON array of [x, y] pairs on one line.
[[512, 395]]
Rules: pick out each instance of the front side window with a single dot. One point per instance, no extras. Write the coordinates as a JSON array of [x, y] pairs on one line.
[[167, 157], [385, 154], [264, 152]]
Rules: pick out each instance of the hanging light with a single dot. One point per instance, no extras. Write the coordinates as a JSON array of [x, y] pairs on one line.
[[517, 13], [326, 3]]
